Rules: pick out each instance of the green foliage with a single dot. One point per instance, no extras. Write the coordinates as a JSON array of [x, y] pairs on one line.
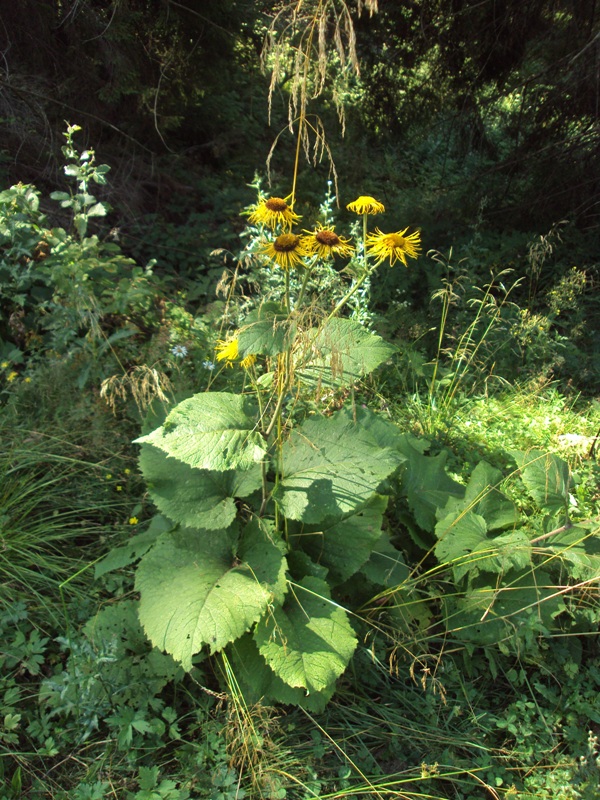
[[58, 288], [254, 487]]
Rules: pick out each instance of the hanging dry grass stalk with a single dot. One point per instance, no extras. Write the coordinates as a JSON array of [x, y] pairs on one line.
[[143, 383], [310, 43]]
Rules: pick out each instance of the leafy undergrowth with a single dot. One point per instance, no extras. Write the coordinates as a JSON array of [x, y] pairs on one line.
[[409, 609], [89, 710]]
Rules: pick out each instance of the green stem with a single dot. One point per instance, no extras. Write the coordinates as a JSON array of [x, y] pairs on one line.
[[307, 273], [287, 290], [355, 287]]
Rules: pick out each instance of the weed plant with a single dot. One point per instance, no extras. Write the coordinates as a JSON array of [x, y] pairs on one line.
[[358, 571]]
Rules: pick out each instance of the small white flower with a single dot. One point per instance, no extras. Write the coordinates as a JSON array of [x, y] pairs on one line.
[[208, 365], [179, 351]]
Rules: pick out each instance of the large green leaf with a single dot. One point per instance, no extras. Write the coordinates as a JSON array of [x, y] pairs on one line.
[[343, 352], [266, 331], [547, 479], [343, 546], [258, 682], [211, 431], [465, 544], [579, 548], [196, 591], [308, 642], [196, 498], [483, 498], [427, 485], [129, 553], [523, 606], [386, 566], [332, 466]]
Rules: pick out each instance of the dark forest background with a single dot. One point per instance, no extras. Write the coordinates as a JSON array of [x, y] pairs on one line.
[[463, 110]]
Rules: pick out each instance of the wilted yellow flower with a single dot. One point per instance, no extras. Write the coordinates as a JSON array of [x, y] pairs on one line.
[[28, 380], [227, 351], [366, 204], [273, 212], [11, 376], [248, 361], [287, 250], [395, 246], [325, 243]]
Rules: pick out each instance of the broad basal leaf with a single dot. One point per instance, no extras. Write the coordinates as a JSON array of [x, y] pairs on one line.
[[341, 353], [331, 467], [465, 544], [386, 566], [196, 593], [459, 534], [547, 479], [483, 498], [266, 332], [211, 431], [135, 548], [343, 545], [308, 642], [523, 605], [258, 682], [427, 485], [196, 498], [579, 548]]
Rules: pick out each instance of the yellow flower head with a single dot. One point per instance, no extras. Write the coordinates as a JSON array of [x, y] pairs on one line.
[[227, 351], [11, 376], [325, 243], [366, 204], [395, 246], [133, 520], [5, 364], [273, 212], [287, 250], [248, 361]]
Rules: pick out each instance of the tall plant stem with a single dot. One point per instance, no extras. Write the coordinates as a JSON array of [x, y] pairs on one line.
[[366, 273], [307, 273], [302, 117], [287, 291]]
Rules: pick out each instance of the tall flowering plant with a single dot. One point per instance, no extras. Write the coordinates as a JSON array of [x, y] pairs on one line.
[[267, 517]]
